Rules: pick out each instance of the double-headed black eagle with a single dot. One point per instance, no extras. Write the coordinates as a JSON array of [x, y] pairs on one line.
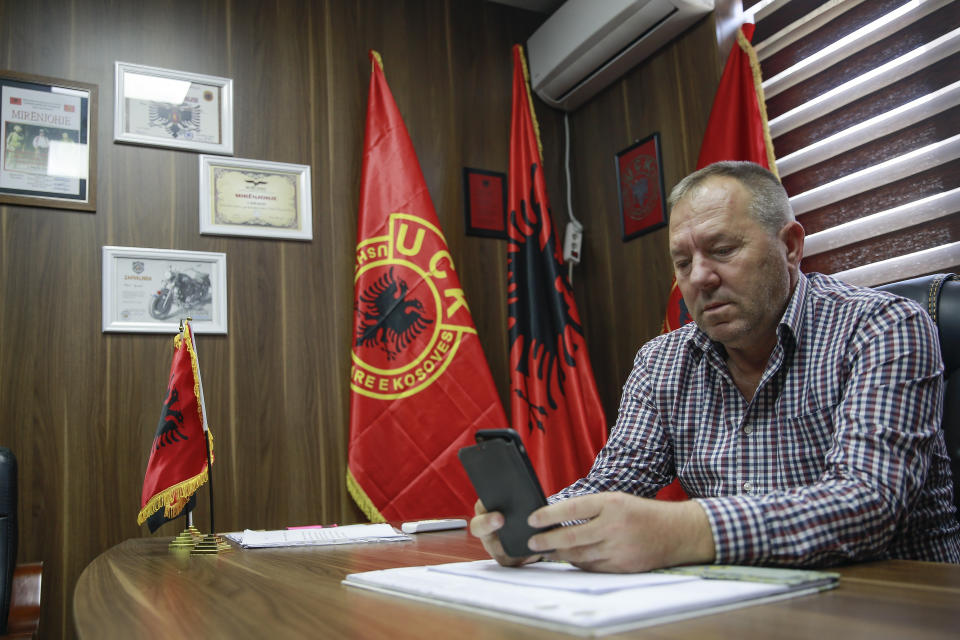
[[175, 118], [538, 307], [387, 317], [171, 420]]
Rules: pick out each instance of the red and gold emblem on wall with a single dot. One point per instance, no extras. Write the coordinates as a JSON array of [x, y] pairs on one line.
[[410, 312]]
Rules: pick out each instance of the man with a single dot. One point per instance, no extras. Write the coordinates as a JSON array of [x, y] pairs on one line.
[[41, 143], [15, 138], [800, 413]]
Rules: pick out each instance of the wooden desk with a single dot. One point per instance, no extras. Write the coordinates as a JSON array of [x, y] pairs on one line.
[[139, 590]]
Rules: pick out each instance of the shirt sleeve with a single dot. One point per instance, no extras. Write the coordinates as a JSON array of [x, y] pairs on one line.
[[885, 430], [637, 457]]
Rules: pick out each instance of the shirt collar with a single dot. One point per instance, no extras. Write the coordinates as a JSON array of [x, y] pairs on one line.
[[790, 324]]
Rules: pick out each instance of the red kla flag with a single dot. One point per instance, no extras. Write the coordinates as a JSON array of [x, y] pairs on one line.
[[737, 130], [178, 458], [554, 401], [420, 384]]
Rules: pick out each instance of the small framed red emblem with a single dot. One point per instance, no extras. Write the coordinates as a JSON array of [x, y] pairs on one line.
[[640, 188], [485, 203]]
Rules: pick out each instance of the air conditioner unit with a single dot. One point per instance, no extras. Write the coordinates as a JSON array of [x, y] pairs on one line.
[[587, 44]]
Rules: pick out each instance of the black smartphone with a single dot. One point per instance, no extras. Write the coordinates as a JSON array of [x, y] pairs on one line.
[[505, 481]]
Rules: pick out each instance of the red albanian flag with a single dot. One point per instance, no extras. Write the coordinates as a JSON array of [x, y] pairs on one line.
[[178, 459], [554, 401]]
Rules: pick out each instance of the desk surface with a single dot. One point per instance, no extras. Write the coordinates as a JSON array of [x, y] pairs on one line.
[[138, 589]]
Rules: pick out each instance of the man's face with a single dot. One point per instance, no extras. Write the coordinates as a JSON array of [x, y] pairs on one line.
[[734, 275]]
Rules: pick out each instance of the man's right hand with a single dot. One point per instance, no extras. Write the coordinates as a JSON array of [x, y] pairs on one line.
[[484, 525]]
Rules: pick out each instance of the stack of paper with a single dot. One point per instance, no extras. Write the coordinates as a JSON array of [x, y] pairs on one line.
[[349, 534], [562, 597]]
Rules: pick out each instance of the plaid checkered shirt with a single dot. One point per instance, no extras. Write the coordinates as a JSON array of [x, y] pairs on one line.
[[838, 457]]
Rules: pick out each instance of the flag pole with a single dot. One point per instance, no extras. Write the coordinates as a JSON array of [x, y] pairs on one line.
[[211, 543], [206, 437]]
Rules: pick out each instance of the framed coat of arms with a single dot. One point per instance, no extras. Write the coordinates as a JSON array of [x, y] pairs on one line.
[[640, 188]]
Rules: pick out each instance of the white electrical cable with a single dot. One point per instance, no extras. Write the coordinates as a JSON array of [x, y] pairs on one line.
[[573, 234], [566, 136]]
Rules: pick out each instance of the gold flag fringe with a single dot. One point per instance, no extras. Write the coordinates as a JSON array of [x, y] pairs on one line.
[[195, 367], [173, 499], [761, 102], [379, 60], [362, 499], [533, 114]]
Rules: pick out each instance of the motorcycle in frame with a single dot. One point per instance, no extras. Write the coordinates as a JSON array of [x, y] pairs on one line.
[[181, 291]]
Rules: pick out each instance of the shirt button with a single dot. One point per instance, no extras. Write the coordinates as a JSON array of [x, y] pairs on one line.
[[748, 487], [747, 430]]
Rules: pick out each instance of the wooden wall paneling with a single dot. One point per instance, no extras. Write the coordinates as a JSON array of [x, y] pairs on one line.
[[38, 404], [428, 99], [344, 76], [269, 50], [49, 359]]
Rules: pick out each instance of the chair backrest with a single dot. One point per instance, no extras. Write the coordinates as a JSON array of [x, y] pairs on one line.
[[940, 295], [8, 530]]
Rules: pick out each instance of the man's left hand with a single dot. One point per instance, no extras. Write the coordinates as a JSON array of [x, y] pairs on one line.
[[624, 533]]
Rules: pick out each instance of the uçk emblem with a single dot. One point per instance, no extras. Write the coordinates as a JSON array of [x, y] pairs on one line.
[[410, 313]]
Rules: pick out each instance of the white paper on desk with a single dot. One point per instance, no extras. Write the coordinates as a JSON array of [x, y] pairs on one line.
[[354, 533], [570, 611], [558, 575]]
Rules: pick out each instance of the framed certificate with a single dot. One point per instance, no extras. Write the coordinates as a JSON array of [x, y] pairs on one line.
[[48, 142], [151, 290], [176, 109], [241, 197], [485, 203]]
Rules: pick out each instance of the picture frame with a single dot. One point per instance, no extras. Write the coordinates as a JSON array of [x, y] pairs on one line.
[[640, 190], [256, 198], [485, 203], [172, 109], [151, 290], [48, 142]]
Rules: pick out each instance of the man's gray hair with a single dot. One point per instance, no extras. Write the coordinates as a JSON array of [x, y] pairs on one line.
[[769, 204]]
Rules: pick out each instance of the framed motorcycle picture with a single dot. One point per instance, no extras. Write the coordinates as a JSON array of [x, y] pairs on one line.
[[152, 290]]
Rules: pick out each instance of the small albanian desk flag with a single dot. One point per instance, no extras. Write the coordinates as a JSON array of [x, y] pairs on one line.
[[419, 382], [178, 457]]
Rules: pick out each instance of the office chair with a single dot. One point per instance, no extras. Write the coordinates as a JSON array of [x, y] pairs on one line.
[[19, 583], [8, 530], [940, 295]]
